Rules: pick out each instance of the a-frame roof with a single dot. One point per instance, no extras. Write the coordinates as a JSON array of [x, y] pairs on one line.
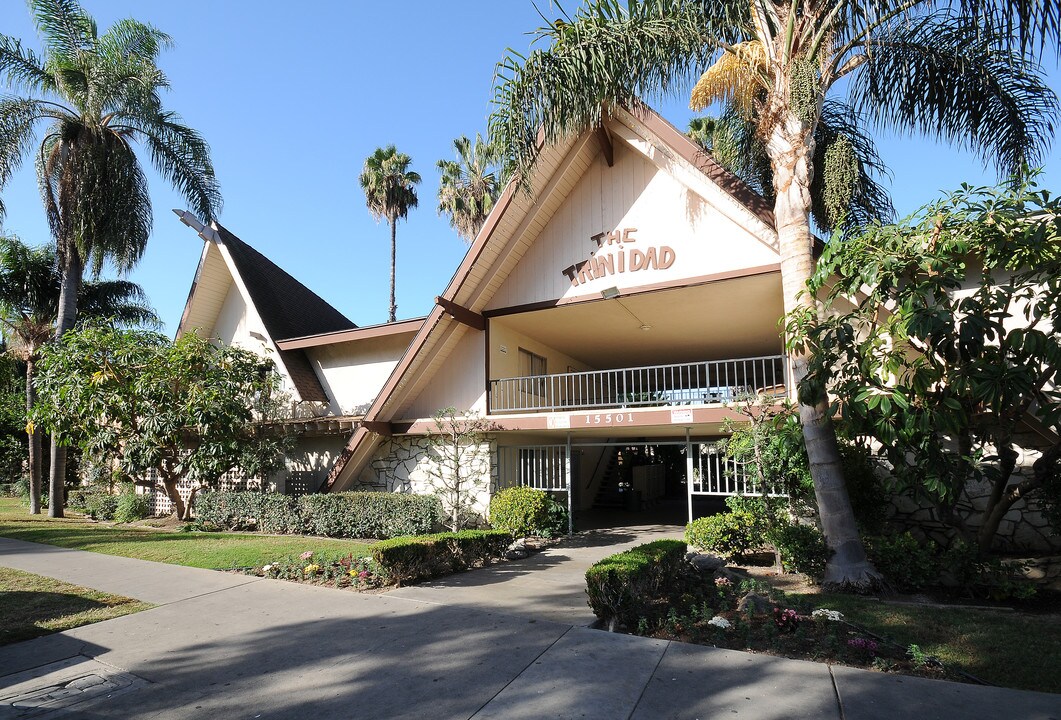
[[510, 230], [286, 307]]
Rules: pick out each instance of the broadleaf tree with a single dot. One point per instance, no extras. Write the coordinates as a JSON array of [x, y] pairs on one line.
[[80, 109], [963, 72], [135, 401], [29, 304], [942, 342]]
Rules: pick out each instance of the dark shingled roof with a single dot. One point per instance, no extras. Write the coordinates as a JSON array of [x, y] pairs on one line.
[[288, 308]]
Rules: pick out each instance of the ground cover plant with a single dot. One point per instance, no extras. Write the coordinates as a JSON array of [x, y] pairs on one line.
[[728, 608], [32, 605], [194, 549]]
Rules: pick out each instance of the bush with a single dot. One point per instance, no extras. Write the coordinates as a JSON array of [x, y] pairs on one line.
[[802, 548], [525, 511], [369, 514], [408, 559], [904, 561], [349, 515], [130, 506], [989, 577], [730, 535], [639, 583], [101, 506]]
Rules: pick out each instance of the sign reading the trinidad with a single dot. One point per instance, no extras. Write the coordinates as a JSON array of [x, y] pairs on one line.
[[612, 256]]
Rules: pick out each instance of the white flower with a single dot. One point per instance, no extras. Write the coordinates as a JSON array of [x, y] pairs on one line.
[[720, 622], [267, 568], [834, 615]]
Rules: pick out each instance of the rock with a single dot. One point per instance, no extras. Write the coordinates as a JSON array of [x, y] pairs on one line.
[[515, 554], [755, 604], [518, 545], [705, 562]]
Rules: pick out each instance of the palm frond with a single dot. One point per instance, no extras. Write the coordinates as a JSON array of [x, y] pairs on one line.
[[734, 143], [18, 118], [22, 68], [67, 30], [870, 200], [120, 301], [389, 184], [469, 185], [180, 154], [943, 77], [611, 53]]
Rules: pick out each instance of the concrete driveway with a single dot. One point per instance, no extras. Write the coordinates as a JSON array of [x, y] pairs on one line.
[[230, 646]]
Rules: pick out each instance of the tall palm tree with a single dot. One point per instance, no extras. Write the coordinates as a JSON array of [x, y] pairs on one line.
[[469, 186], [96, 95], [390, 192], [950, 70], [29, 304]]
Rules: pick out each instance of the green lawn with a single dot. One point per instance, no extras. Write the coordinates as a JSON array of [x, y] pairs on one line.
[[31, 606], [1004, 648], [204, 550]]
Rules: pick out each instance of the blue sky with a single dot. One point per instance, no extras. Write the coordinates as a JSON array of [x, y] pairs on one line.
[[293, 97]]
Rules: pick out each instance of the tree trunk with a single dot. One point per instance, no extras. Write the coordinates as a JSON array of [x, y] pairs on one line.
[[34, 437], [791, 147], [70, 286], [394, 260], [179, 508], [1044, 470]]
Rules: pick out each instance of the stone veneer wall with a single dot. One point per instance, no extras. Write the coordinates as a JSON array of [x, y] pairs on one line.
[[405, 464], [1023, 529]]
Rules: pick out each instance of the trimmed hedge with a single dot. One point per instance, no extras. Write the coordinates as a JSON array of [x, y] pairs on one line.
[[408, 559], [370, 514], [638, 583], [345, 515], [525, 511]]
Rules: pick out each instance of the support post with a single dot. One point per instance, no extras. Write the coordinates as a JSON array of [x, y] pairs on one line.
[[570, 485], [689, 472]]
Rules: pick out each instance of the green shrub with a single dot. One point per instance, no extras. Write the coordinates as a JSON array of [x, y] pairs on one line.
[[369, 514], [905, 562], [130, 506], [802, 548], [101, 506], [988, 576], [408, 559], [641, 583], [525, 511], [730, 535], [77, 499]]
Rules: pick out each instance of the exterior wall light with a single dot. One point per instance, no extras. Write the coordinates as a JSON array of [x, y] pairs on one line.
[[609, 293]]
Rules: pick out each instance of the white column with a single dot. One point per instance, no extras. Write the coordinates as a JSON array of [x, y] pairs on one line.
[[689, 472], [570, 486]]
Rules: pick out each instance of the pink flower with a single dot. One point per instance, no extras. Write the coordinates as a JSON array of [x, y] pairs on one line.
[[306, 555]]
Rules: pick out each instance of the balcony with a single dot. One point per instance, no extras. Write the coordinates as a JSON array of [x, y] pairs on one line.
[[712, 381]]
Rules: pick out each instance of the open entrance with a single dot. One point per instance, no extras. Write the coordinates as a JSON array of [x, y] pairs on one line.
[[630, 482]]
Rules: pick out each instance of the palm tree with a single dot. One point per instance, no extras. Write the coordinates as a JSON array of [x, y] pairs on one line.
[[29, 303], [97, 95], [469, 186], [951, 70], [390, 192]]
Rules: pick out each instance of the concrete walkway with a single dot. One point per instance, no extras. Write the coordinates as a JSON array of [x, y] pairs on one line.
[[229, 646]]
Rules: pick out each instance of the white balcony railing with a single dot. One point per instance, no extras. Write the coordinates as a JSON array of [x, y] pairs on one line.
[[713, 381]]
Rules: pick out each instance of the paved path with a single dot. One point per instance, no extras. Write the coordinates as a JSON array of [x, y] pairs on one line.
[[228, 646]]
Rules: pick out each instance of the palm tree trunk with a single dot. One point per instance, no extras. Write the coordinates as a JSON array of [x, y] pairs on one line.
[[791, 147], [34, 438], [70, 285], [394, 258]]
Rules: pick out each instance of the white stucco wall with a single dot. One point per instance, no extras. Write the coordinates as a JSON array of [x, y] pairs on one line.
[[353, 373]]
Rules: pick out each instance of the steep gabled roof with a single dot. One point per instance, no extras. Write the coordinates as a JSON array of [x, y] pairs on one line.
[[288, 308], [492, 251]]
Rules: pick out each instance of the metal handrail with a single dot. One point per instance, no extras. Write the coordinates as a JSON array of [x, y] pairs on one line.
[[710, 381]]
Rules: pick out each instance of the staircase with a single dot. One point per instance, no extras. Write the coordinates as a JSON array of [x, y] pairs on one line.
[[608, 493]]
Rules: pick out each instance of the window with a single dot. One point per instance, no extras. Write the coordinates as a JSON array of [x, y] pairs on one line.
[[531, 365]]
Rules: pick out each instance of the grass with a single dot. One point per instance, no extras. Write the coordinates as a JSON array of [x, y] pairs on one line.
[[1004, 648], [31, 606], [203, 550]]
